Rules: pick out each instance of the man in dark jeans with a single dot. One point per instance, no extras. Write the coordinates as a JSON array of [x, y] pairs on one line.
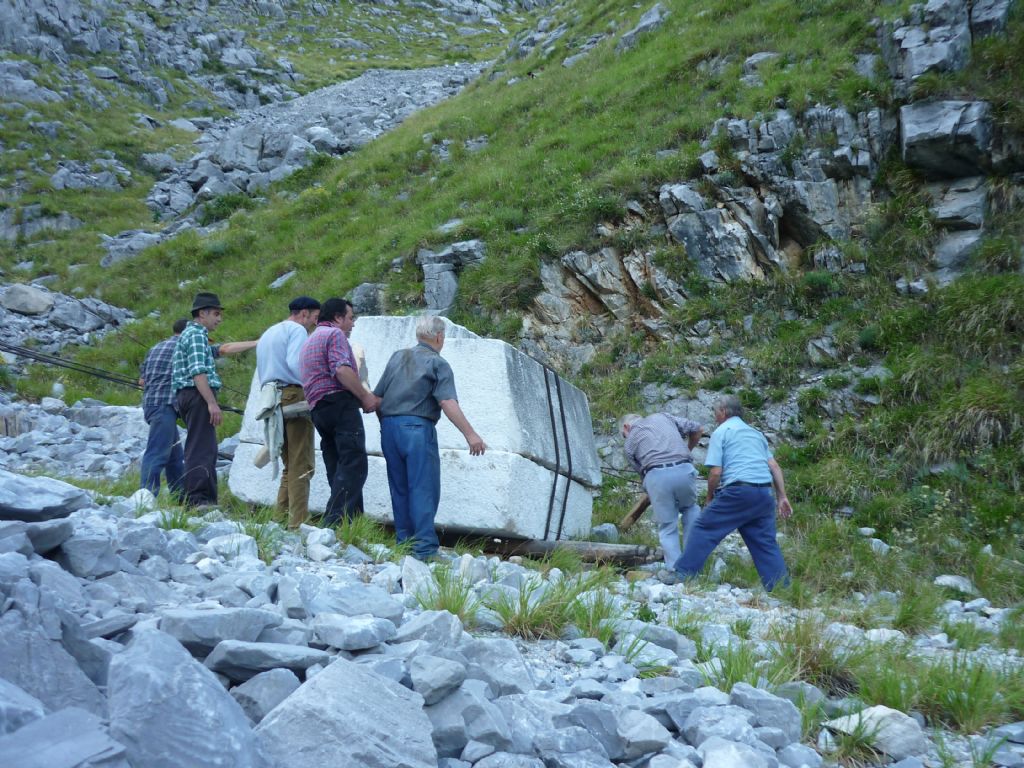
[[163, 452], [746, 490], [335, 394], [195, 382]]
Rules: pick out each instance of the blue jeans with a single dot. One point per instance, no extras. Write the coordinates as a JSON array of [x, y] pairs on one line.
[[163, 450], [752, 512], [409, 444]]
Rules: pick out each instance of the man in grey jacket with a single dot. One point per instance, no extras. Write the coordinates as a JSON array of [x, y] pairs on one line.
[[658, 447]]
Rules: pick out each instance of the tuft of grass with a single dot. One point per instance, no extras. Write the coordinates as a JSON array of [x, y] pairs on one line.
[[816, 658], [967, 696], [918, 608], [740, 663], [856, 748], [541, 609], [448, 591], [967, 634], [370, 536], [177, 517], [1011, 631], [595, 614], [565, 560], [260, 523]]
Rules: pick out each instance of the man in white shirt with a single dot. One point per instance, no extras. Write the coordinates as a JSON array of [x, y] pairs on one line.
[[277, 360]]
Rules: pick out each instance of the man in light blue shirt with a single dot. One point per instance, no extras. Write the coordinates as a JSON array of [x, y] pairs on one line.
[[743, 474]]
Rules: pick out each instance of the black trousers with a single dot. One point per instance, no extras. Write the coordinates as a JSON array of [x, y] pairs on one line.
[[339, 423], [199, 483]]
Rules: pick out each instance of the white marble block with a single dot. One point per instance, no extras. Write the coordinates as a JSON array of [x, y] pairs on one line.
[[534, 424], [499, 493]]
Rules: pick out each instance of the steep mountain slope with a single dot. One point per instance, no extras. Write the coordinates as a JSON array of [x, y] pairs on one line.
[[727, 196]]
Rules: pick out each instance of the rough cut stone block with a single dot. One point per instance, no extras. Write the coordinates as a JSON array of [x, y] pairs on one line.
[[510, 400], [896, 734], [346, 715], [502, 391], [497, 493], [260, 694]]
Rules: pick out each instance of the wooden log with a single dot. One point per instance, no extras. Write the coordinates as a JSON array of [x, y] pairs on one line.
[[591, 551], [634, 514]]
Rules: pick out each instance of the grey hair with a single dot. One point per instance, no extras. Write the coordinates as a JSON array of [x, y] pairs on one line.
[[730, 405], [629, 420], [428, 326]]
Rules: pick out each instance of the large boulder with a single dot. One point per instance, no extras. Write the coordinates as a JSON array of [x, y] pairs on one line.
[[512, 401], [27, 300], [170, 711], [239, 660], [945, 139], [42, 667], [346, 715], [33, 499], [200, 630]]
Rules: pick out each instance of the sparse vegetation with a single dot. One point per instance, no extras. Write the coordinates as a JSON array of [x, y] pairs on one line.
[[448, 591]]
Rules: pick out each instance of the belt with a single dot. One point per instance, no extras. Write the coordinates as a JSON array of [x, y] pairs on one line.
[[665, 466], [748, 485]]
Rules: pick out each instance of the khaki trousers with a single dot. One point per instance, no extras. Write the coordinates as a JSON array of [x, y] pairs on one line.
[[297, 455]]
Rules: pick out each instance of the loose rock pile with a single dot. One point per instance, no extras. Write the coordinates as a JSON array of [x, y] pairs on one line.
[[52, 321], [247, 152], [125, 642]]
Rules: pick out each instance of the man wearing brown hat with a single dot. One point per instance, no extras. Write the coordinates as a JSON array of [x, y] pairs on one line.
[[277, 366], [195, 383]]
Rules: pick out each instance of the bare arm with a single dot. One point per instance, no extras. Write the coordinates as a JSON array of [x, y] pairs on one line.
[[204, 389], [785, 509], [236, 347], [349, 379], [714, 478], [455, 415]]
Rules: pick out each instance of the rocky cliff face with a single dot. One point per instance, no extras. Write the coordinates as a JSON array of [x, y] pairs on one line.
[[783, 192]]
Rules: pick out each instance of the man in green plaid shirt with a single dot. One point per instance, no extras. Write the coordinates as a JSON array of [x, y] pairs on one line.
[[195, 382]]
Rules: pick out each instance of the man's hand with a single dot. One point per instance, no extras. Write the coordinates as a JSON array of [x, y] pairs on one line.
[[476, 445], [370, 402], [785, 509], [215, 415]]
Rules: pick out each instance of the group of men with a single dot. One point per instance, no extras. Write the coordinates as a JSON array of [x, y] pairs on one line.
[[307, 358], [746, 488]]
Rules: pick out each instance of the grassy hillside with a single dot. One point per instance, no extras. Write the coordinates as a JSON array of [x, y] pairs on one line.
[[567, 147]]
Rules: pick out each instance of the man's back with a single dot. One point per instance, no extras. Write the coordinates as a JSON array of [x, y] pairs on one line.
[[278, 351], [741, 451], [156, 373]]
